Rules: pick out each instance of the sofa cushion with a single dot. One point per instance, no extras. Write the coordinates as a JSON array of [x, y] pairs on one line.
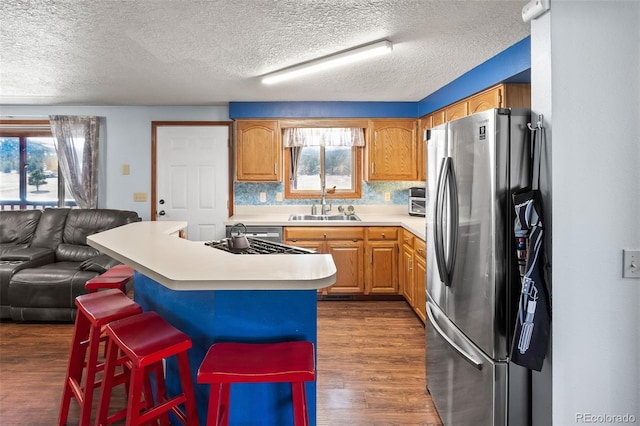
[[18, 226], [55, 285], [83, 222], [49, 231]]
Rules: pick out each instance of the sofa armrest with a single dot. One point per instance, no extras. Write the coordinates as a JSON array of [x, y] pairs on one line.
[[101, 264], [29, 254]]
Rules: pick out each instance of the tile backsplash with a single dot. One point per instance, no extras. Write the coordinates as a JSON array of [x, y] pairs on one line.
[[248, 194]]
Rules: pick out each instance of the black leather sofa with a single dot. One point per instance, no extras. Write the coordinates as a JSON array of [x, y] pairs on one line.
[[45, 260]]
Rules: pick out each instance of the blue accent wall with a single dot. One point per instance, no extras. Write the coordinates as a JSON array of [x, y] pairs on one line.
[[322, 110], [511, 65]]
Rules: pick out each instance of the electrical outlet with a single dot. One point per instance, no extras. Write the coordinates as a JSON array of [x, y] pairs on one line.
[[263, 197], [631, 263], [278, 196], [387, 196], [125, 169]]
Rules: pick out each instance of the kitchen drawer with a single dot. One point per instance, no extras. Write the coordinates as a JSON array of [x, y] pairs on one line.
[[382, 233], [420, 248], [407, 238], [293, 233]]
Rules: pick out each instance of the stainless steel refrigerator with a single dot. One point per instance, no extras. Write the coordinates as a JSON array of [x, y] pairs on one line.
[[474, 164]]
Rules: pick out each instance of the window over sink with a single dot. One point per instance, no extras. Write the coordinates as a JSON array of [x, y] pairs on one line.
[[326, 158]]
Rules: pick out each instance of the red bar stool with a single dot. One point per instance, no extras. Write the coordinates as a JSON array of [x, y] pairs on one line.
[[146, 340], [227, 363], [94, 311], [117, 277]]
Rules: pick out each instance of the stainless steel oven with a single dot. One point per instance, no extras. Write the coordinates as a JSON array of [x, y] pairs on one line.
[[417, 201]]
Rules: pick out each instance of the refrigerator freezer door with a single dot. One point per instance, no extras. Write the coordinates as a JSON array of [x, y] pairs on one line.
[[478, 145], [436, 154], [466, 386]]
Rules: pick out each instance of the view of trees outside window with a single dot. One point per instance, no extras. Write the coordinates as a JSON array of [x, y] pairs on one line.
[[338, 168], [38, 181]]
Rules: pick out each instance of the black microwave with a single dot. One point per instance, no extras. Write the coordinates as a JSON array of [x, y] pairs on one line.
[[417, 201]]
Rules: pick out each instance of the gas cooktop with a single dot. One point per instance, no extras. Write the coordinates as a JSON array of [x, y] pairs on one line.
[[259, 246]]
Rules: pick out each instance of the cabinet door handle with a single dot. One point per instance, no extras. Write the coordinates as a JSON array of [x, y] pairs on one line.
[[373, 168], [409, 264], [383, 235]]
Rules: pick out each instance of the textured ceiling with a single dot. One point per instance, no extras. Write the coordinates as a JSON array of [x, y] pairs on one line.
[[185, 52]]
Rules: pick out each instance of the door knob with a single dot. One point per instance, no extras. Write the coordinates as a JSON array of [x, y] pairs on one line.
[[161, 213]]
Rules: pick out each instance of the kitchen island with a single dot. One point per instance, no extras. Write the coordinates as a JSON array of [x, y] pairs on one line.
[[215, 296]]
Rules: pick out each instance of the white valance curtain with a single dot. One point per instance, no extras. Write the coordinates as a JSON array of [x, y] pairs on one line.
[[76, 142], [296, 138], [330, 136]]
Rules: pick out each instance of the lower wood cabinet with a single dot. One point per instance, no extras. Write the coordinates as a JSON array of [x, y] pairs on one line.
[[406, 273], [376, 260], [420, 279], [413, 269], [381, 257], [344, 244]]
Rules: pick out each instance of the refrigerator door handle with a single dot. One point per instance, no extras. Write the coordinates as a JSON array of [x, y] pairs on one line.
[[438, 227], [454, 219], [446, 181], [467, 356]]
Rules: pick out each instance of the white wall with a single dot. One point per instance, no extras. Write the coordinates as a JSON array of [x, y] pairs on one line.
[[125, 138], [542, 382], [595, 97]]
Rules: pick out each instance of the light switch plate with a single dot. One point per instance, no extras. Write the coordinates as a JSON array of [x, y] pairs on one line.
[[631, 263], [139, 196]]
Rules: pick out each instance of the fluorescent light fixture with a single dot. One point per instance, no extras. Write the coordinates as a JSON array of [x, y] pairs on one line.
[[326, 62]]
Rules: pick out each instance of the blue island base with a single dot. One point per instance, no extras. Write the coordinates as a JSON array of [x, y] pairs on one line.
[[248, 316]]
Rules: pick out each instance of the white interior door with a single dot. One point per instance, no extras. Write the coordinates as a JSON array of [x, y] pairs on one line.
[[192, 178]]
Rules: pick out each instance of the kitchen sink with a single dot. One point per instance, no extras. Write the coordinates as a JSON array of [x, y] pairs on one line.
[[350, 217]]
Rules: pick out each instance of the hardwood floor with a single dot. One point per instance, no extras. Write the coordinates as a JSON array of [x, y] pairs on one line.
[[370, 368]]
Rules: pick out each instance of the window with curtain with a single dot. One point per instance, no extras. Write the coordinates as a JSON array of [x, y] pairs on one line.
[[29, 173], [317, 157]]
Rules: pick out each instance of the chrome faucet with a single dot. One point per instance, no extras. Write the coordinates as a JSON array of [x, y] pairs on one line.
[[323, 201]]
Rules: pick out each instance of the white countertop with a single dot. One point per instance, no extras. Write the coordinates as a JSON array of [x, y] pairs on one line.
[[270, 216], [155, 250]]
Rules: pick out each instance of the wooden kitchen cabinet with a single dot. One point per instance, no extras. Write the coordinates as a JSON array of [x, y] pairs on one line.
[[381, 260], [438, 118], [405, 272], [421, 152], [391, 150], [457, 110], [501, 96], [258, 151], [413, 273], [420, 279], [346, 246]]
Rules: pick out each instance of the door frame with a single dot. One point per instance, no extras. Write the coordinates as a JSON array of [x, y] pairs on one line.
[[154, 158]]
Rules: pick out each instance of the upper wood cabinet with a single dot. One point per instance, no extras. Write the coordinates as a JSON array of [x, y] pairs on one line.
[[501, 96], [504, 95], [258, 151], [391, 150], [457, 110]]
